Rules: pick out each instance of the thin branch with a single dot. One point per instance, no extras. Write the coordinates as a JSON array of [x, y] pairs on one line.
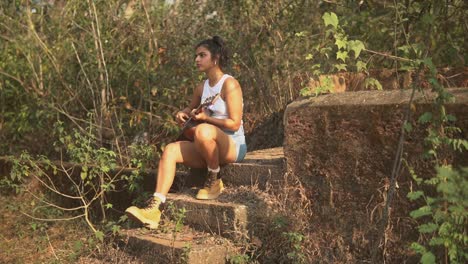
[[55, 191], [388, 55], [100, 50], [72, 118], [51, 247], [84, 72], [53, 219], [54, 205], [12, 77], [66, 172]]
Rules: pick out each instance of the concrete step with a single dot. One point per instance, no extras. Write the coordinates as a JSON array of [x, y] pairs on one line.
[[240, 213], [187, 246], [262, 168], [226, 219]]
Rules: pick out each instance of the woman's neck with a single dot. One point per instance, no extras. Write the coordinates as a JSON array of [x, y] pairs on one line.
[[214, 75]]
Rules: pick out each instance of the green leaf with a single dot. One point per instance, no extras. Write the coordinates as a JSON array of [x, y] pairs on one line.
[[306, 91], [105, 168], [408, 127], [340, 67], [415, 195], [428, 228], [330, 19], [340, 43], [418, 248], [84, 175], [436, 241], [428, 258], [425, 118], [428, 62], [371, 82], [342, 55], [451, 118], [357, 46], [423, 211], [115, 229], [430, 200], [99, 236], [361, 66], [300, 34]]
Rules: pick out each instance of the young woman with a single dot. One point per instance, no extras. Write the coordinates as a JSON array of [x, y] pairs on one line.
[[218, 139]]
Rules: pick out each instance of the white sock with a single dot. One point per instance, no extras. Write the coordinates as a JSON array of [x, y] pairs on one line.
[[214, 170], [161, 196]]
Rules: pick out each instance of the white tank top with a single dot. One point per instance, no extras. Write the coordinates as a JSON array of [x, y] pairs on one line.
[[219, 109]]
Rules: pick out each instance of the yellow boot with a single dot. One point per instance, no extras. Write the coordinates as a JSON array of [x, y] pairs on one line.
[[212, 188], [148, 216]]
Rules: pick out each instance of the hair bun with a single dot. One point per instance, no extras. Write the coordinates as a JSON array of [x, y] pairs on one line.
[[218, 40]]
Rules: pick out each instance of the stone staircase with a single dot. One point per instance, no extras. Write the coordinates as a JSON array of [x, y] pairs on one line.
[[212, 228]]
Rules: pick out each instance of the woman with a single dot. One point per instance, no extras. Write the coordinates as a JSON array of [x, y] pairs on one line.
[[218, 139]]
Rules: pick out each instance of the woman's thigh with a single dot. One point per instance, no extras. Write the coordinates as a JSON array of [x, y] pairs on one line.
[[186, 152], [226, 145]]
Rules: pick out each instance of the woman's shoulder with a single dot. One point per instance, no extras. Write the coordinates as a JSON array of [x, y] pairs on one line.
[[231, 83]]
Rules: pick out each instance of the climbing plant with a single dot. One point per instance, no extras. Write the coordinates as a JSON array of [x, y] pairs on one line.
[[443, 216]]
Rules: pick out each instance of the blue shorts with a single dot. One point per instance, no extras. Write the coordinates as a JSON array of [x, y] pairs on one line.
[[241, 146]]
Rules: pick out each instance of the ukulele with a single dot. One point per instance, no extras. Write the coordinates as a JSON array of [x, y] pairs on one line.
[[188, 129]]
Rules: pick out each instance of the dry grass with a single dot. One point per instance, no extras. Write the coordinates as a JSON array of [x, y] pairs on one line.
[[25, 240]]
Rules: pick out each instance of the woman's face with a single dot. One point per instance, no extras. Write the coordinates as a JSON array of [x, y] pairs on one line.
[[203, 59]]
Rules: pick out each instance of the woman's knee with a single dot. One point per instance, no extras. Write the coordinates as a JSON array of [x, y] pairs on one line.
[[205, 132], [170, 151]]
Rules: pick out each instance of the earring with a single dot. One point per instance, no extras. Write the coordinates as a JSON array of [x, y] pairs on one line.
[[215, 62]]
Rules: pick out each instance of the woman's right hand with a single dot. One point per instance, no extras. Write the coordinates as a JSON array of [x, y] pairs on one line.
[[181, 117]]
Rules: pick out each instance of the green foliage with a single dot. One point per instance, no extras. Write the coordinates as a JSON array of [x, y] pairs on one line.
[[178, 216], [344, 46], [325, 85], [20, 171], [133, 65], [296, 242], [371, 82], [96, 162], [95, 181], [239, 259], [443, 217], [96, 67], [446, 215], [184, 258], [333, 55]]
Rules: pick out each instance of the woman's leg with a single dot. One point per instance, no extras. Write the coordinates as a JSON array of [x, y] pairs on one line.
[[215, 146], [211, 147], [178, 152]]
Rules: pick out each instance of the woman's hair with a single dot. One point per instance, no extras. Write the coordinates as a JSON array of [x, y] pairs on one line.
[[217, 49]]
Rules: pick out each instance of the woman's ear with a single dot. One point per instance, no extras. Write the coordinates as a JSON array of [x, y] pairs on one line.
[[216, 59]]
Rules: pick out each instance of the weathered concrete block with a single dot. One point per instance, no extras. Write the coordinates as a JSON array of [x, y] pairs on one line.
[[195, 249], [342, 147], [221, 218], [260, 167]]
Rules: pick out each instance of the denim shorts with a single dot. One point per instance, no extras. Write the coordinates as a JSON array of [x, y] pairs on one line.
[[241, 146]]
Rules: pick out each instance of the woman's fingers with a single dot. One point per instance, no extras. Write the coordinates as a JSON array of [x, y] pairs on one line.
[[182, 117]]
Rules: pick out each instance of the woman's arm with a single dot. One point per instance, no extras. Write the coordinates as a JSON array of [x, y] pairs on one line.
[[232, 95], [183, 115]]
